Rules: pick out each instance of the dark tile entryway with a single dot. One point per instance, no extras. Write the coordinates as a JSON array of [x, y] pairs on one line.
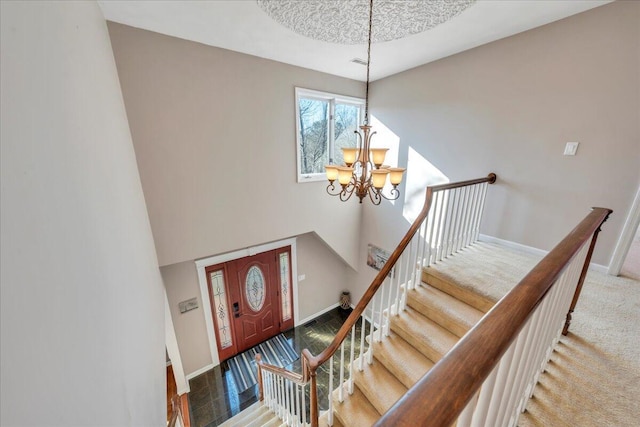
[[214, 397]]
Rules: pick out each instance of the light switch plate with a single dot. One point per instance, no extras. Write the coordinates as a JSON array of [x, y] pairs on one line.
[[571, 148]]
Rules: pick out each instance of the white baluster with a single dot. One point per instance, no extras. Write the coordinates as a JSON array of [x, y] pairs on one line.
[[466, 218], [453, 241], [341, 384], [504, 367], [304, 399], [296, 396], [464, 419], [442, 217], [472, 221], [287, 400], [353, 348], [481, 209], [363, 327], [484, 399], [370, 351], [397, 271], [381, 310], [387, 323], [509, 388], [330, 415]]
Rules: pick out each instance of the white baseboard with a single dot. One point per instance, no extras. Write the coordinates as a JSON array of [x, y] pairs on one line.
[[313, 316], [513, 245], [535, 251], [200, 371]]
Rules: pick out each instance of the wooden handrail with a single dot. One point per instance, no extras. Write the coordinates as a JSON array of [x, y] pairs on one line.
[[285, 373], [439, 397]]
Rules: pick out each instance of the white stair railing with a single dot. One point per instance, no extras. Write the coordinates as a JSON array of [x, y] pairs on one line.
[[490, 374], [285, 393]]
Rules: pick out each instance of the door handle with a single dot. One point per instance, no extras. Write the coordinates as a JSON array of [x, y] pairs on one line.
[[236, 309]]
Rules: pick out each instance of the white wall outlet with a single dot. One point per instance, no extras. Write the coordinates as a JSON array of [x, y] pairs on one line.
[[302, 277], [571, 148]]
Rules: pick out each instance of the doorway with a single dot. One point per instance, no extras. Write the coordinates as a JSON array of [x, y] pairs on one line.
[[251, 300]]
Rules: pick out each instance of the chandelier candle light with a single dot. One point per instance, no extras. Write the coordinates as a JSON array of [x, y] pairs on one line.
[[364, 173]]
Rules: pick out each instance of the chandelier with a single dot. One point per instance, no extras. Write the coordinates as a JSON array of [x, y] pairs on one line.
[[364, 173]]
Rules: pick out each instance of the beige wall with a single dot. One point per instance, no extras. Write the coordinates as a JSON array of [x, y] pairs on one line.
[[82, 308], [325, 278], [325, 275], [214, 133], [181, 282], [510, 107]]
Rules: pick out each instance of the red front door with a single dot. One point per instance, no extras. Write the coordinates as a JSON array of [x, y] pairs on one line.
[[253, 289], [251, 300]]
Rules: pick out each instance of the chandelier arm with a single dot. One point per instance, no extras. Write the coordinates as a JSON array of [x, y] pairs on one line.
[[331, 188], [374, 195], [346, 193], [394, 194]]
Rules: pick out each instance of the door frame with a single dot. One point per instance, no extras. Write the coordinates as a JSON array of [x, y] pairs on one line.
[[626, 237], [202, 264]]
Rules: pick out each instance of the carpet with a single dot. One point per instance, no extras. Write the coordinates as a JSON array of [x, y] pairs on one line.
[[593, 376], [276, 351]]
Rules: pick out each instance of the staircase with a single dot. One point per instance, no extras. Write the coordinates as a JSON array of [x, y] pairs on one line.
[[449, 301], [419, 337], [435, 287]]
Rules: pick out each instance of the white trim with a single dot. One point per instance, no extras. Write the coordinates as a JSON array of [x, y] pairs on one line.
[[202, 264], [200, 371], [513, 245], [599, 268], [331, 98], [171, 344], [626, 237], [531, 250], [320, 313]]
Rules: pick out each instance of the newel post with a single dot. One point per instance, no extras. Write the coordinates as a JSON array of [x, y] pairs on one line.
[[259, 365], [583, 275]]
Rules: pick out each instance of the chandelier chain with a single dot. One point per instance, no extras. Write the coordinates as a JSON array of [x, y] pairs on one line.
[[366, 105]]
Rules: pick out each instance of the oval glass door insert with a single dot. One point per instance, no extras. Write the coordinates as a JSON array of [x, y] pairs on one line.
[[255, 288]]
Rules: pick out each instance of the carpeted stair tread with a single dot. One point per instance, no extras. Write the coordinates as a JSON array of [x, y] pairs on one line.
[[401, 359], [262, 419], [449, 312], [246, 416], [381, 388], [431, 339], [355, 410], [480, 274], [274, 422], [323, 420]]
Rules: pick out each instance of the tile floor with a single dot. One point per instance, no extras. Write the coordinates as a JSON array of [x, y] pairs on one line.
[[214, 397]]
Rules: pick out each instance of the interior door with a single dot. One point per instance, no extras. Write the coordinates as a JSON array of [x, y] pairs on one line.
[[254, 293]]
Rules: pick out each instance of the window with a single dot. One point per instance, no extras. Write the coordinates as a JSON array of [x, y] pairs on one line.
[[325, 123]]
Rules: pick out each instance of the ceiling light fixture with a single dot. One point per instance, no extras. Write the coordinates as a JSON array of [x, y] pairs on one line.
[[364, 173]]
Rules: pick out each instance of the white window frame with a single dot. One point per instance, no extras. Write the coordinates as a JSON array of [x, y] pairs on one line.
[[333, 99]]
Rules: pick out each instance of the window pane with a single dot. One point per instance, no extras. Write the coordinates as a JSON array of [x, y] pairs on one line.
[[285, 286], [221, 311], [254, 288], [314, 135], [345, 126]]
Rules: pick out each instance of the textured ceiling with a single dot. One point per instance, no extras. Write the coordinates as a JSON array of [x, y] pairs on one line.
[[242, 26], [347, 21]]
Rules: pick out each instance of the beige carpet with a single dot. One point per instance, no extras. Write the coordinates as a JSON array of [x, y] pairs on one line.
[[488, 269], [593, 378]]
